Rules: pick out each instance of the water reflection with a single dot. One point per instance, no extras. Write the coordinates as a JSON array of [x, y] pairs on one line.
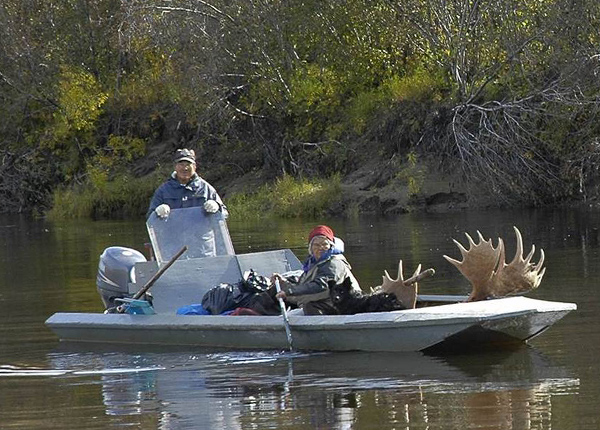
[[235, 390]]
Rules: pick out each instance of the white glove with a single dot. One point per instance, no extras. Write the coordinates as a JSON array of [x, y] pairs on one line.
[[211, 206], [163, 210]]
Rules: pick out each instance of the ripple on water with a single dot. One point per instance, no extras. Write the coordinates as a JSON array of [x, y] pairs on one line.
[[19, 371]]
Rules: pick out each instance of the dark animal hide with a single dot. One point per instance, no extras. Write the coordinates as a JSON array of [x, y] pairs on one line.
[[348, 301]]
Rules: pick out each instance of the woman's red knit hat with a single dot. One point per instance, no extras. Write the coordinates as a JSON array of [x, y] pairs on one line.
[[321, 230]]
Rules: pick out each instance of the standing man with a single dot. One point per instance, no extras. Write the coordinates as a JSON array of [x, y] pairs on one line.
[[185, 189]]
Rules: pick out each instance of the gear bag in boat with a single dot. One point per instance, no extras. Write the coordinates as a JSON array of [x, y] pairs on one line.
[[227, 297]]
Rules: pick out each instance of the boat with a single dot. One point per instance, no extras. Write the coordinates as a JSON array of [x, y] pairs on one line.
[[438, 321]]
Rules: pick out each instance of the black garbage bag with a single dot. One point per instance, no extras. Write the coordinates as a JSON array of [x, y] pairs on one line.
[[224, 297], [253, 282], [251, 292]]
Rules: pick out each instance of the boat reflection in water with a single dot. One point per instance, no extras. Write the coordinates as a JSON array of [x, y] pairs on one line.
[[232, 390]]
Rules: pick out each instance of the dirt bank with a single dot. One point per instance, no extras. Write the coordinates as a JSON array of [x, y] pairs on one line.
[[380, 189]]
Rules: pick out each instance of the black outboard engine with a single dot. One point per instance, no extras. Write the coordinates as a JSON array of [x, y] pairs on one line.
[[116, 272]]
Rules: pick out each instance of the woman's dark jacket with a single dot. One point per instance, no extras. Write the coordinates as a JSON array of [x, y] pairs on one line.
[[313, 285]]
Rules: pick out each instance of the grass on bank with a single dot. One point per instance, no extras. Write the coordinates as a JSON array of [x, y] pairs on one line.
[[122, 197], [128, 197], [288, 197]]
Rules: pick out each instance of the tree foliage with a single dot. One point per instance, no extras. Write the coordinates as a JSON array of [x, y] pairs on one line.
[[92, 89]]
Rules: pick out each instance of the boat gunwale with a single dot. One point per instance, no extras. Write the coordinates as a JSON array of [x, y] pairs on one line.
[[403, 318]]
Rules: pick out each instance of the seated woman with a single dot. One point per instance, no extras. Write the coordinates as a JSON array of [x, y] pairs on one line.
[[325, 263]]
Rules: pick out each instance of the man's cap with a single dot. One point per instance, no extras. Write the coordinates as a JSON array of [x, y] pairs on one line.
[[321, 230], [185, 155]]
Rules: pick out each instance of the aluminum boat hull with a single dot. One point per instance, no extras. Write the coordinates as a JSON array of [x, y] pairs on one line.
[[515, 319], [210, 260]]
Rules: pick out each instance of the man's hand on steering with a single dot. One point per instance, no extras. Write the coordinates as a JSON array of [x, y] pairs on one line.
[[163, 211], [211, 206]]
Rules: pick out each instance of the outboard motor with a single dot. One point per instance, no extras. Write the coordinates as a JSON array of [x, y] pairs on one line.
[[116, 272]]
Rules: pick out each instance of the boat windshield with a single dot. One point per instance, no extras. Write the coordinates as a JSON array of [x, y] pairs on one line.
[[205, 235]]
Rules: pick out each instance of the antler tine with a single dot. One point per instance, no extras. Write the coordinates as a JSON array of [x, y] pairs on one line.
[[537, 279], [387, 277], [481, 238], [538, 266], [530, 255], [541, 275], [536, 269], [519, 251], [501, 253], [400, 271], [417, 271], [462, 249], [452, 261], [470, 239]]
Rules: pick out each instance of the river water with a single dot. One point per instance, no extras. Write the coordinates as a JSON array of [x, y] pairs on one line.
[[552, 383]]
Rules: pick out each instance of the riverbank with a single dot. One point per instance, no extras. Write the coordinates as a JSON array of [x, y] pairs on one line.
[[368, 189], [376, 187]]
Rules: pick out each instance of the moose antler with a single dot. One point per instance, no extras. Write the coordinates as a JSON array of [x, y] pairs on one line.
[[485, 267], [405, 292]]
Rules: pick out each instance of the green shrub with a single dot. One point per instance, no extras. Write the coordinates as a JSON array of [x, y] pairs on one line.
[[81, 99], [421, 85], [412, 175], [362, 109], [367, 107], [288, 198], [121, 197], [314, 101]]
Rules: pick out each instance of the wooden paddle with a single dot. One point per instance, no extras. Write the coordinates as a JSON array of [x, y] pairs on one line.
[[148, 285], [286, 321]]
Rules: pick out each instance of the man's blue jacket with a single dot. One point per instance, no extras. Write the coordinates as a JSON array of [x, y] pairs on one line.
[[177, 196]]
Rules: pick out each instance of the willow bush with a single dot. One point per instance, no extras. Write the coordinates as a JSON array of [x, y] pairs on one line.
[[288, 198], [124, 196]]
